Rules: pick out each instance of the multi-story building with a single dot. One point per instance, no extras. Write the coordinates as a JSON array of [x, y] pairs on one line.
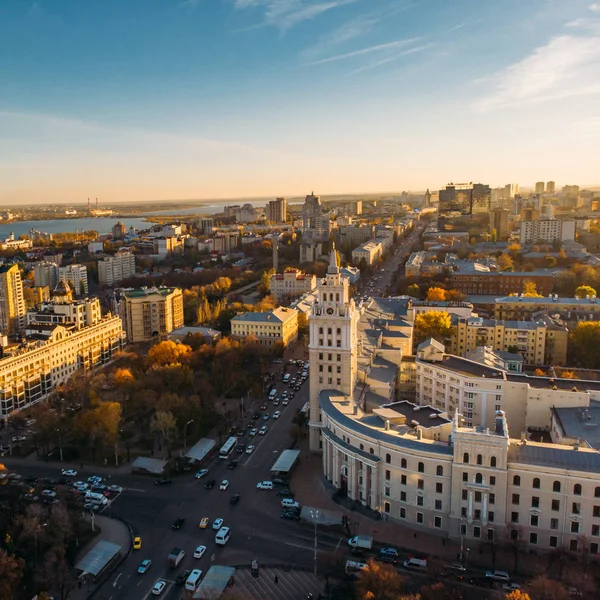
[[547, 230], [370, 252], [119, 231], [551, 187], [12, 301], [279, 325], [540, 342], [151, 312], [225, 242], [501, 223], [45, 274], [291, 284], [465, 198], [113, 269], [276, 211], [502, 283], [76, 276], [206, 224], [164, 246], [358, 207], [354, 235], [412, 268], [510, 191], [540, 187], [569, 310], [316, 225]]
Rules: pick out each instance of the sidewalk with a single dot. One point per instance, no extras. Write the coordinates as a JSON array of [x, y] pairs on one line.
[[112, 530]]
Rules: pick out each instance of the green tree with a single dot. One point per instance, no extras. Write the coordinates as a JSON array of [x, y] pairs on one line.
[[433, 324], [585, 337], [414, 290], [585, 290]]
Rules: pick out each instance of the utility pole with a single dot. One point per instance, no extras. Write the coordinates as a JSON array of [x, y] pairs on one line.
[[185, 433]]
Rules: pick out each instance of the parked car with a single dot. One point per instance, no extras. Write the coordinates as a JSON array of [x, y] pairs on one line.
[[69, 473], [201, 473], [253, 432], [232, 465], [496, 575], [144, 566], [280, 480], [264, 485], [224, 484], [182, 577], [137, 543], [285, 492], [511, 587], [178, 523], [249, 449], [210, 484], [163, 481], [115, 489]]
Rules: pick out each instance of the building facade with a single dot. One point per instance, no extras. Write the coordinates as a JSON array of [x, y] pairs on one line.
[[12, 301], [370, 252], [151, 312], [291, 284], [276, 326], [45, 274], [115, 268], [276, 211], [502, 283], [546, 230], [569, 310], [76, 276]]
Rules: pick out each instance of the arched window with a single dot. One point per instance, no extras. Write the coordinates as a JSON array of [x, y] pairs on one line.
[[337, 297], [478, 478], [388, 459], [597, 492], [329, 331], [556, 486], [403, 463], [362, 447], [371, 451], [331, 297], [479, 459], [421, 468], [466, 458], [439, 471], [493, 461], [577, 489], [321, 330], [516, 480], [338, 331], [536, 483]]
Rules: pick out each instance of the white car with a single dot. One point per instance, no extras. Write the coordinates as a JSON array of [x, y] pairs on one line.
[[249, 449], [263, 430], [224, 484], [94, 479], [159, 587], [276, 414], [264, 485], [199, 551], [81, 485], [285, 402], [511, 587], [217, 524], [498, 575], [115, 489], [68, 473], [253, 432]]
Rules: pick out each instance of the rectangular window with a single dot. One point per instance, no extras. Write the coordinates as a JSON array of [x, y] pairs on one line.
[[320, 356], [420, 517], [420, 484], [438, 505], [514, 517], [477, 514], [476, 532], [386, 507], [420, 501], [338, 357], [463, 530], [533, 538], [463, 511], [437, 522], [594, 548], [465, 494], [403, 479], [534, 520], [491, 516], [493, 480], [554, 524], [492, 498], [573, 546], [596, 511], [515, 499], [574, 527], [386, 491], [553, 541], [402, 513], [477, 496], [535, 502], [465, 477], [402, 496], [438, 488], [576, 508], [595, 530], [387, 475]]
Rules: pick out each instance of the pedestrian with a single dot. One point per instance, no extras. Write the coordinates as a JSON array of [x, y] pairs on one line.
[[276, 579]]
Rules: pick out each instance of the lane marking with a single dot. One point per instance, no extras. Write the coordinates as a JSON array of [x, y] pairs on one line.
[[117, 579]]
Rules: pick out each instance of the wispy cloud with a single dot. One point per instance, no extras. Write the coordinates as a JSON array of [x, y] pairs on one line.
[[595, 7], [459, 26], [363, 51], [389, 59], [285, 14], [565, 67]]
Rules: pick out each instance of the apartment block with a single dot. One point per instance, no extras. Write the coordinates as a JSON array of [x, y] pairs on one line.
[[45, 274], [278, 325], [546, 230], [115, 268], [12, 301], [76, 276], [370, 252], [291, 284], [569, 310]]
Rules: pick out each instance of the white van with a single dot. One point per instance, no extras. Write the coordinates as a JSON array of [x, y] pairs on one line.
[[272, 394], [286, 378], [98, 498], [290, 503], [416, 564], [223, 536], [193, 581]]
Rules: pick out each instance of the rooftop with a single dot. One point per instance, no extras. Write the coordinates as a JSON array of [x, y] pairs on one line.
[[278, 315], [551, 456], [580, 423], [144, 292], [547, 300]]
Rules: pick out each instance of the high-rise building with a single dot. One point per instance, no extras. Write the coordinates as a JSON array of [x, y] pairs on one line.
[[151, 312], [45, 274], [540, 187], [358, 207], [427, 199], [276, 210], [205, 224], [333, 341], [12, 302], [547, 230], [465, 198], [113, 269], [511, 190], [551, 187], [119, 231], [76, 275], [500, 222], [315, 224]]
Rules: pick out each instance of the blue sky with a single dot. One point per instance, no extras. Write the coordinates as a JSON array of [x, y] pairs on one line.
[[153, 99]]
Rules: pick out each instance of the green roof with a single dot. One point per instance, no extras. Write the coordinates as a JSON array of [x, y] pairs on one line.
[[163, 291]]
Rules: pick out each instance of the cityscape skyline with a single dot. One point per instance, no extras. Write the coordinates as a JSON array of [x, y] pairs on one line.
[[246, 98]]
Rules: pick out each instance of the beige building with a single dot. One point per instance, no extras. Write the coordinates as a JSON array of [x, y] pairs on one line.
[[570, 310], [12, 301], [276, 211], [113, 269], [291, 284], [278, 325], [76, 276], [540, 342], [370, 252], [151, 312]]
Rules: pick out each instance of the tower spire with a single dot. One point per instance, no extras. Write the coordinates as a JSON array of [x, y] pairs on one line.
[[333, 266]]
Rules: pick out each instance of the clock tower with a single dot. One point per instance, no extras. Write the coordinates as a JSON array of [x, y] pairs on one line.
[[332, 346]]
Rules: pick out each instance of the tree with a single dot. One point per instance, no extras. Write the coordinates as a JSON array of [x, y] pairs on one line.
[[530, 290], [436, 294], [433, 324], [378, 582], [567, 375], [543, 587], [494, 235], [302, 324], [505, 263], [585, 290], [98, 426], [585, 337], [549, 262], [167, 353], [517, 595], [163, 423], [11, 574], [454, 296], [540, 373], [414, 290]]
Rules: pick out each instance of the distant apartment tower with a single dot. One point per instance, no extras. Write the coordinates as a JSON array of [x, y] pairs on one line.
[[119, 231], [276, 211], [115, 268], [465, 198], [151, 312], [511, 190], [570, 189], [358, 207], [547, 230], [551, 187], [231, 211], [76, 276], [540, 187], [205, 224], [500, 222], [45, 274], [315, 223], [12, 301], [427, 199]]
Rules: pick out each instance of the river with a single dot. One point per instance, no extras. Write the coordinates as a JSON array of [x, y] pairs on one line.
[[101, 225]]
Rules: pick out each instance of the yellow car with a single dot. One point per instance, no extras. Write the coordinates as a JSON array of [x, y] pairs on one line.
[[203, 523], [137, 543]]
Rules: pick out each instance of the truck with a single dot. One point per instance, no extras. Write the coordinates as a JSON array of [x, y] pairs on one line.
[[361, 541], [175, 557]]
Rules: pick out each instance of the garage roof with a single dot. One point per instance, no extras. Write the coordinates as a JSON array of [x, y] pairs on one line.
[[98, 557], [286, 461]]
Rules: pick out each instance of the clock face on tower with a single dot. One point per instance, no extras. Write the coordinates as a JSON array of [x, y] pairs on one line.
[[330, 311]]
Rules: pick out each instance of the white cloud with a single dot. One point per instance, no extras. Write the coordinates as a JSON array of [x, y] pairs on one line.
[[384, 61], [284, 14], [363, 51], [595, 7], [567, 66]]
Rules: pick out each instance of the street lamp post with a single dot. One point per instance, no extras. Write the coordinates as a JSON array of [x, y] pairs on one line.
[[315, 517], [185, 433], [60, 445]]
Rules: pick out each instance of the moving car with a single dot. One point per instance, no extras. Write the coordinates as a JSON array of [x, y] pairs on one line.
[[511, 587], [253, 432], [182, 576], [285, 402], [178, 524], [264, 485], [224, 484], [201, 473], [234, 499], [217, 524], [266, 417], [137, 543], [163, 481], [276, 414], [159, 587], [498, 575], [199, 551], [114, 489], [209, 484], [144, 566], [389, 555], [232, 465], [69, 473], [203, 523], [263, 430], [249, 449]]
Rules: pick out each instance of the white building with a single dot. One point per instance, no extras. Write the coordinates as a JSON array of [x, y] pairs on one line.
[[370, 252], [45, 274], [113, 269], [76, 275], [291, 284], [547, 230]]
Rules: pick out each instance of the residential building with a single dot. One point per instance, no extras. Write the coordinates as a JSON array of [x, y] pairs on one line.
[[184, 333], [12, 301], [551, 187], [569, 310], [502, 283], [465, 198], [315, 223], [119, 231], [164, 246], [510, 191], [358, 207], [352, 273], [412, 268], [547, 230], [206, 224], [279, 325], [45, 274], [151, 312], [540, 187], [231, 211], [76, 276], [351, 236], [113, 269], [501, 222], [370, 252], [276, 211], [291, 284]]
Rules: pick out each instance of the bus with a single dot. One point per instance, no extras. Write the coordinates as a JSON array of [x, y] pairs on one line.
[[354, 568], [228, 447]]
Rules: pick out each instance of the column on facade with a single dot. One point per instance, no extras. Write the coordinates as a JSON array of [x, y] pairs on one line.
[[484, 510], [336, 468], [351, 477], [470, 506], [368, 475]]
